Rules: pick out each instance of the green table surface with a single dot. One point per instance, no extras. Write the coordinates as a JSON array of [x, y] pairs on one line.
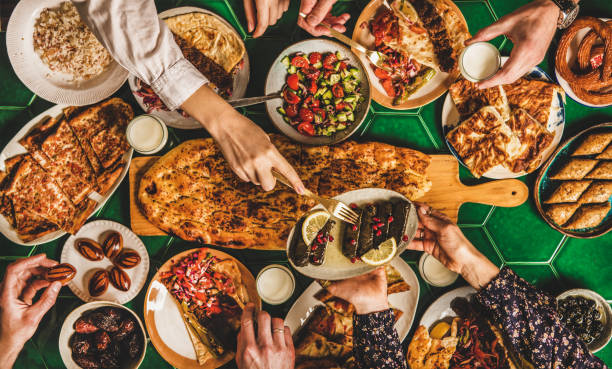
[[517, 237]]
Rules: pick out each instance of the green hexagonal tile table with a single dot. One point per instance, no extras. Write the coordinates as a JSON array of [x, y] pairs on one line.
[[508, 236]]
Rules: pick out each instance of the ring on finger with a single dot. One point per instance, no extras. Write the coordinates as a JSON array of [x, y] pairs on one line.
[[278, 330], [303, 15], [247, 323]]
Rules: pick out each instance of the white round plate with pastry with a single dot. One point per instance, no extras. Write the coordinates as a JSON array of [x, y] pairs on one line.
[[429, 76], [403, 288], [230, 65], [388, 209], [441, 308], [85, 75], [571, 57], [507, 99], [98, 231]]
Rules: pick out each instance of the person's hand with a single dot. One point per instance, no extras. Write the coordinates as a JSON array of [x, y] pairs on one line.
[[531, 29], [438, 236], [246, 147], [267, 13], [368, 292], [271, 349], [19, 314], [316, 11]]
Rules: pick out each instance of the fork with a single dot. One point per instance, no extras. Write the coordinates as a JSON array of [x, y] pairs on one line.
[[334, 207], [374, 57]]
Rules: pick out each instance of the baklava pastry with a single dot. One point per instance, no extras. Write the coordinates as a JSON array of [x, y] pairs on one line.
[[606, 154], [568, 191], [561, 213], [593, 144], [603, 170], [599, 191], [575, 169], [588, 216]]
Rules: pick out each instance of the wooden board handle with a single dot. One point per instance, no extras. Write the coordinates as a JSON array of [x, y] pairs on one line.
[[505, 192]]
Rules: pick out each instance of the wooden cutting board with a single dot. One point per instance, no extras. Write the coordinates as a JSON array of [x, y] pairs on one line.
[[447, 192]]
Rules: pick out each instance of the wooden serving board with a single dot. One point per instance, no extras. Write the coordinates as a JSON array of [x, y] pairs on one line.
[[447, 192]]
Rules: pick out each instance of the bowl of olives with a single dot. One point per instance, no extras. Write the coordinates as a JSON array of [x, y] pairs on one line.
[[102, 334], [588, 315]]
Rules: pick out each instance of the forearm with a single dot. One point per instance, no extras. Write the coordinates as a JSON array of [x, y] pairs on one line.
[[208, 108], [529, 319], [376, 343], [9, 354], [476, 269]]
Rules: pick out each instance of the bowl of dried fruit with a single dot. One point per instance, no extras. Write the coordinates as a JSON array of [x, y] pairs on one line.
[[102, 334]]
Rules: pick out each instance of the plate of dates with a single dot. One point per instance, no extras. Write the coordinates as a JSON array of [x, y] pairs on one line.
[[102, 335], [111, 263]]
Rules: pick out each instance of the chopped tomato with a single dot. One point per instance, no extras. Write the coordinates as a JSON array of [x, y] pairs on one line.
[[306, 115], [320, 112], [340, 106], [307, 101], [292, 110], [388, 86], [328, 73], [299, 61], [381, 73], [315, 103], [337, 90], [293, 81], [342, 66], [314, 57], [306, 128], [313, 87], [311, 72], [290, 97], [416, 29], [330, 59]]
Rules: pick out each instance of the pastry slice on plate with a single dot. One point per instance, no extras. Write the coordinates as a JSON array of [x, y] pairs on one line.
[[568, 191], [588, 216], [603, 170], [561, 213], [575, 169], [535, 96], [468, 98], [593, 144], [606, 154], [599, 191]]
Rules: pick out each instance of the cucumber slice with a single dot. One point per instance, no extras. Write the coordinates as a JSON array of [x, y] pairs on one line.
[[286, 61], [327, 96], [281, 110], [318, 65], [340, 127], [355, 72], [350, 117], [341, 117], [350, 98], [334, 78], [292, 69]]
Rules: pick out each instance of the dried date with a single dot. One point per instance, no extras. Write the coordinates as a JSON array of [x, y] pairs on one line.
[[87, 361], [101, 340], [107, 320], [133, 345], [60, 272], [113, 244], [84, 325], [125, 328], [119, 279], [90, 249], [98, 284], [79, 343], [127, 259]]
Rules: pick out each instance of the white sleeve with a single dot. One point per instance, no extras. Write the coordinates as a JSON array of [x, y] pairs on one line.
[[142, 43]]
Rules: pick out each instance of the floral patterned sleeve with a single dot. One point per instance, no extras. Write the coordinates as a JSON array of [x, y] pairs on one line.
[[376, 343], [528, 317]]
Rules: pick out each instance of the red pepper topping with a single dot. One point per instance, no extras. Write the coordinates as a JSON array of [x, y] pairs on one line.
[[376, 219], [353, 242], [378, 233], [331, 238], [354, 227], [390, 219], [374, 227], [405, 238], [380, 225]]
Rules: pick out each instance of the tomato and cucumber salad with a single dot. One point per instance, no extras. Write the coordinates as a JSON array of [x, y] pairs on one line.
[[320, 94]]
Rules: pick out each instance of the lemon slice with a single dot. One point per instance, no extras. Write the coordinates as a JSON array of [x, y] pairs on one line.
[[313, 224], [440, 330], [381, 255]]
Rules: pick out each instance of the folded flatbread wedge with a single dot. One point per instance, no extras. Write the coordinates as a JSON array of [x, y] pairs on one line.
[[588, 216], [568, 191]]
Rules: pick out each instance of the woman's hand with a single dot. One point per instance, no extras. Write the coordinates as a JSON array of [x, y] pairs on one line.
[[19, 313], [316, 11], [271, 349], [531, 29], [368, 292], [246, 147], [438, 236], [267, 12]]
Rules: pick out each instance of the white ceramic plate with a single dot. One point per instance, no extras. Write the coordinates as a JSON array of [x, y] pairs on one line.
[[53, 86], [276, 80], [14, 148], [571, 60], [337, 266], [97, 231], [441, 308], [556, 125], [404, 301], [68, 329], [241, 78]]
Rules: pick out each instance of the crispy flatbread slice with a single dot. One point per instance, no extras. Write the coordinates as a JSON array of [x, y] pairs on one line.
[[568, 191], [416, 44], [425, 352], [317, 364], [535, 96], [231, 269], [594, 143], [312, 345], [561, 213], [533, 140], [469, 99], [603, 170], [588, 216], [575, 169], [599, 191], [395, 282]]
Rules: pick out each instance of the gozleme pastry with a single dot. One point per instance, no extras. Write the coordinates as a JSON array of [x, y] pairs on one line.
[[561, 213], [534, 96], [575, 169], [568, 191], [593, 144], [468, 98], [588, 216], [599, 191]]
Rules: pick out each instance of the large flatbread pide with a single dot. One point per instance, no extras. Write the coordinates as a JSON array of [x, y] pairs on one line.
[[191, 191]]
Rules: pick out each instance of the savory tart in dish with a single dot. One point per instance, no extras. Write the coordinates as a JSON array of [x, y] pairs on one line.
[[594, 143], [561, 213], [588, 216], [575, 169], [568, 191], [603, 170], [599, 191]]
